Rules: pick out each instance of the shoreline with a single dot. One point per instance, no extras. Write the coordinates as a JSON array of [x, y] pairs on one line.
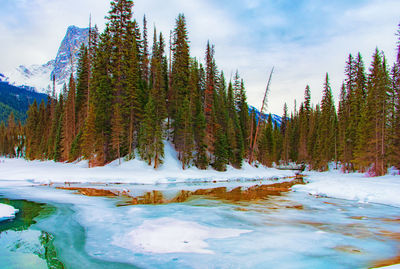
[[134, 171]]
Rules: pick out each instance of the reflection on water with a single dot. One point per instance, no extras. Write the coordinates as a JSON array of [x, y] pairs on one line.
[[24, 247], [50, 253], [156, 197]]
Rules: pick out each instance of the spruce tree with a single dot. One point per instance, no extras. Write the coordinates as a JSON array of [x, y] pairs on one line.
[[103, 95], [394, 145], [150, 142], [89, 137], [180, 67], [221, 151], [69, 127], [373, 132], [304, 123], [327, 131], [285, 135], [145, 60], [117, 131], [82, 89], [185, 134], [209, 95]]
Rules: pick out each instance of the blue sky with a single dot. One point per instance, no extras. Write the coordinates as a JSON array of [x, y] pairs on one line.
[[303, 39]]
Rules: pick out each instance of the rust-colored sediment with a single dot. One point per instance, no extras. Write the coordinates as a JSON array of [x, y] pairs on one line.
[[348, 249], [90, 191], [388, 262], [358, 217], [393, 260], [221, 193]]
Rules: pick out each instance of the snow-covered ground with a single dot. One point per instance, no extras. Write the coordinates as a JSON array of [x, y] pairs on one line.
[[7, 212], [134, 171], [353, 186]]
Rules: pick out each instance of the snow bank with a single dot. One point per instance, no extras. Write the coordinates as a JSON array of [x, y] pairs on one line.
[[354, 186], [133, 171], [7, 212], [169, 235]]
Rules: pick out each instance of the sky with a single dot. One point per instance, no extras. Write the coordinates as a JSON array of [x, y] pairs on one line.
[[302, 39]]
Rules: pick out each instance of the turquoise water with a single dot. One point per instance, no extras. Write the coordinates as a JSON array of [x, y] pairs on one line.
[[60, 229], [22, 244]]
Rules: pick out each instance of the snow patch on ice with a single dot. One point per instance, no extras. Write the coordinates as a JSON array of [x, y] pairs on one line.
[[169, 235], [7, 212], [353, 186]]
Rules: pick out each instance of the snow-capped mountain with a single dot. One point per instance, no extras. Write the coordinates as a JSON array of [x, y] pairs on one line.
[[39, 77], [275, 118]]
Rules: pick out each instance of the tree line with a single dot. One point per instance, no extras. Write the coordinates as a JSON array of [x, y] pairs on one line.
[[128, 99], [362, 134]]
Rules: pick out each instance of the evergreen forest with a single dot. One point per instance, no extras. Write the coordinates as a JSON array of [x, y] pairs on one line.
[[128, 99]]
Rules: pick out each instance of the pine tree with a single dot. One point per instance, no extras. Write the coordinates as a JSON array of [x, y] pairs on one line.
[[123, 73], [180, 67], [150, 143], [304, 123], [285, 135], [145, 60], [12, 136], [82, 89], [89, 137], [328, 126], [102, 95], [69, 128], [117, 131], [157, 94], [244, 119], [132, 109], [57, 129], [209, 94], [314, 142], [371, 149], [221, 151], [343, 120], [394, 138], [185, 134], [277, 146], [234, 131]]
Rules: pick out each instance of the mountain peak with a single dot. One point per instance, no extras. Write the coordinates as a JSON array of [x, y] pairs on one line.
[[68, 52], [65, 63]]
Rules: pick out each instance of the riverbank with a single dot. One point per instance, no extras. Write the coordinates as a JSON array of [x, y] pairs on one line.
[[133, 171], [353, 186]]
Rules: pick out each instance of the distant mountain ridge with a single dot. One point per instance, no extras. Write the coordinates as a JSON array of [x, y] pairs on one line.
[[275, 118], [39, 77], [17, 100]]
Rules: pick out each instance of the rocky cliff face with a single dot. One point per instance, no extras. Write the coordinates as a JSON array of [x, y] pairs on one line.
[[40, 77], [68, 53]]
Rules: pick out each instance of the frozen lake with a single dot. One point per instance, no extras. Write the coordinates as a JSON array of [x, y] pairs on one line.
[[211, 225]]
